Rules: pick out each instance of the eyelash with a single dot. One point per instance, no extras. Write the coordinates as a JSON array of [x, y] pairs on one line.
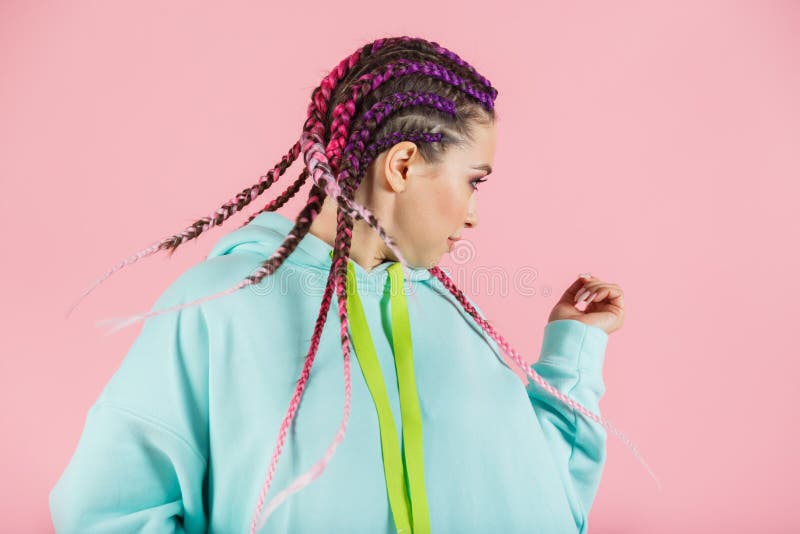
[[477, 181]]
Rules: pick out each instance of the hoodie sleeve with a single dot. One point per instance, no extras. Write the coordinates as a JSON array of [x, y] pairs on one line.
[[141, 461], [572, 361]]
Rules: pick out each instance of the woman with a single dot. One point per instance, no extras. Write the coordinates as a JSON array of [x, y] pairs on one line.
[[443, 436]]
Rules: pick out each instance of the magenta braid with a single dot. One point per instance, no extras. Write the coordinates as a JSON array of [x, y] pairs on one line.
[[339, 267], [371, 81], [339, 271], [536, 377], [342, 114], [303, 220], [292, 411], [375, 115], [234, 204], [337, 168], [321, 172], [279, 201], [311, 138], [216, 218], [320, 98], [337, 276]]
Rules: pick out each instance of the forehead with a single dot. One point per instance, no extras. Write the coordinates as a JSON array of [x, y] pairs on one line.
[[480, 150]]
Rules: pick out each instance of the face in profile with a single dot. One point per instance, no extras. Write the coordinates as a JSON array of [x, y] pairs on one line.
[[435, 203]]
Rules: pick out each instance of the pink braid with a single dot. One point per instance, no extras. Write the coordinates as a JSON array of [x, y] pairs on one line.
[[489, 329]]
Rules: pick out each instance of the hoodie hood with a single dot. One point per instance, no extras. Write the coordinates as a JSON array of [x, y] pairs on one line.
[[265, 233]]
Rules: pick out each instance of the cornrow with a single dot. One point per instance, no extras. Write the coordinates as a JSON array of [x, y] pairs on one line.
[[337, 277], [323, 176], [341, 248], [344, 235], [265, 181], [390, 140], [339, 127], [363, 130], [369, 102]]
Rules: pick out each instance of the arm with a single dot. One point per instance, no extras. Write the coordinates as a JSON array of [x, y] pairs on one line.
[[140, 462], [572, 361]]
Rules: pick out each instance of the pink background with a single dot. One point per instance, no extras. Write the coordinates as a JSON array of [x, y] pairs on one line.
[[654, 146]]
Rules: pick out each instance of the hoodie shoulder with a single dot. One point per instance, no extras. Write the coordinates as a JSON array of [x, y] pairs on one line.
[[261, 236], [238, 254]]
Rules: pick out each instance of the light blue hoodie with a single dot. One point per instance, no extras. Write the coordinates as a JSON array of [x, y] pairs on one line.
[[181, 437]]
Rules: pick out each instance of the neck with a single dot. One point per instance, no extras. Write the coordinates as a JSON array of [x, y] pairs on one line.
[[367, 249]]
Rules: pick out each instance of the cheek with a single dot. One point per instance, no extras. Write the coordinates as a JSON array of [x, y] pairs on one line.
[[451, 206], [432, 214], [432, 210]]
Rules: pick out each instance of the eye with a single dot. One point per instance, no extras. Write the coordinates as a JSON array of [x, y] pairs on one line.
[[477, 181]]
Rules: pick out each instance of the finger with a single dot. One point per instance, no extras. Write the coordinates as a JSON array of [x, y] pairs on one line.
[[597, 292], [597, 295], [591, 287], [587, 288], [612, 294], [569, 294], [587, 295]]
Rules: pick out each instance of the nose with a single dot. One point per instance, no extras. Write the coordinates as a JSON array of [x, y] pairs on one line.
[[472, 213], [472, 219]]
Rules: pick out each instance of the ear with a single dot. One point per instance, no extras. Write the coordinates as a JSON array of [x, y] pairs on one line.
[[396, 165]]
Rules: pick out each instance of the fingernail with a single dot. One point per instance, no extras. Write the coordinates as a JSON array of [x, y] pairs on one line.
[[585, 275], [579, 294]]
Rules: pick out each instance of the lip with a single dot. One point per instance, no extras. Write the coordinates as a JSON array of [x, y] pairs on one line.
[[452, 242]]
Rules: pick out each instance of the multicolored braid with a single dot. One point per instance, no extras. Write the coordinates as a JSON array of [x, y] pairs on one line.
[[278, 202], [216, 218], [322, 174], [339, 267], [372, 150], [296, 397], [368, 103], [245, 197], [339, 127], [448, 283], [339, 271]]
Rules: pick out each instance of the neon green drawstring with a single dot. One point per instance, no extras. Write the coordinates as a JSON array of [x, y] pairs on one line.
[[409, 404]]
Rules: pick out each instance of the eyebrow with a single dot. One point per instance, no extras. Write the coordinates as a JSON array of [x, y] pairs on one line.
[[484, 167]]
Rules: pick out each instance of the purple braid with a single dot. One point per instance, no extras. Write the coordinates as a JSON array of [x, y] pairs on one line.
[[367, 83], [339, 268], [374, 116], [392, 139], [338, 144], [316, 110], [337, 276], [339, 272], [319, 169], [371, 81]]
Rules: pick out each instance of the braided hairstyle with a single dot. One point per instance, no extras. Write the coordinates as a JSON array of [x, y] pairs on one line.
[[391, 90]]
